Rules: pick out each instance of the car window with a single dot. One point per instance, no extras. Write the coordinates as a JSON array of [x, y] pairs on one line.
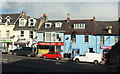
[[51, 53], [56, 53]]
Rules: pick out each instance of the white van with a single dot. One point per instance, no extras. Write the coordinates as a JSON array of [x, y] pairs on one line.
[[88, 57]]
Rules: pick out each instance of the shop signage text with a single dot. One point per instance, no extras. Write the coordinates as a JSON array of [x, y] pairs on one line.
[[105, 47], [60, 44]]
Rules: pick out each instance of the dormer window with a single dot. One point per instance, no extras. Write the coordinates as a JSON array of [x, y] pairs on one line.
[[32, 22], [79, 26], [109, 28], [1, 19], [8, 19], [22, 22], [48, 25], [58, 24]]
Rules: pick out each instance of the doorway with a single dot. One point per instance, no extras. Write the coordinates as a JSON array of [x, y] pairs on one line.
[[51, 48]]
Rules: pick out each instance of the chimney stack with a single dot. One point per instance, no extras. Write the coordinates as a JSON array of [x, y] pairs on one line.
[[68, 17], [23, 14], [93, 18]]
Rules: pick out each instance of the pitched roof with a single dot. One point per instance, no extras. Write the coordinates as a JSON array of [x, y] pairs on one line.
[[53, 28], [101, 27], [26, 27], [89, 26], [13, 17]]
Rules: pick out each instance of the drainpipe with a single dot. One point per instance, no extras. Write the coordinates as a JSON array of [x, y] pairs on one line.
[[96, 43]]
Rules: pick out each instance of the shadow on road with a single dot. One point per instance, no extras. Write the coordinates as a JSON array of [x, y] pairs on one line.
[[39, 65]]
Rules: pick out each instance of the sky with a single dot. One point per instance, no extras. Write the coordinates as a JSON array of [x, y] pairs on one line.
[[104, 10]]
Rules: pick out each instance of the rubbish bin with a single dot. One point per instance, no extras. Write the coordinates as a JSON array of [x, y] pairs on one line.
[[65, 55], [69, 55]]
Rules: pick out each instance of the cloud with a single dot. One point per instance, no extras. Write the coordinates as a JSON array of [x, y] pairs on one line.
[[59, 10]]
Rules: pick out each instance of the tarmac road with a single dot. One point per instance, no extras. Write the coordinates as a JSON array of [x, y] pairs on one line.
[[11, 63]]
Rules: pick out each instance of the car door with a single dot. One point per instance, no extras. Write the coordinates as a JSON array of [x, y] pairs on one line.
[[49, 55], [83, 57]]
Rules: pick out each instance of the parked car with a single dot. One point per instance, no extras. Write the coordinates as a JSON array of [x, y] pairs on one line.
[[4, 50], [54, 55], [27, 51], [88, 57]]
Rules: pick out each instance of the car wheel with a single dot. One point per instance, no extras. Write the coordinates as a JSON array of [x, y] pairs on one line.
[[44, 57], [57, 58], [95, 62], [28, 55], [77, 60], [14, 53]]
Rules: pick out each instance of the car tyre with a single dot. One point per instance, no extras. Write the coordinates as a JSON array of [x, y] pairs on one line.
[[28, 55], [77, 60], [44, 57], [14, 53], [57, 58], [95, 62]]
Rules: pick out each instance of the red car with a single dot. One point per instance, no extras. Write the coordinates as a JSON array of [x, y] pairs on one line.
[[54, 55]]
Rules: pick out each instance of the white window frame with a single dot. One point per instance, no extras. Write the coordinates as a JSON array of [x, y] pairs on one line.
[[8, 18], [48, 23], [34, 22], [58, 24], [22, 34], [7, 34], [79, 26], [30, 34], [115, 41], [51, 38], [22, 20], [1, 19], [45, 37]]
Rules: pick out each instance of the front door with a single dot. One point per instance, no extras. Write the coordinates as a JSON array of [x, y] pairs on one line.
[[51, 48], [75, 52]]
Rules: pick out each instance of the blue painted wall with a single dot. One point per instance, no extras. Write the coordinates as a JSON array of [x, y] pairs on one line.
[[94, 42]]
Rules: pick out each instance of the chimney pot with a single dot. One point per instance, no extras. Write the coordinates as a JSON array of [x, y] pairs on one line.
[[93, 18], [68, 17]]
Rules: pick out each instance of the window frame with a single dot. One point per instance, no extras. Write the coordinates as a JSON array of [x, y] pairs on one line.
[[31, 34], [49, 24], [79, 26], [101, 39], [58, 24], [86, 38], [116, 39], [21, 35], [22, 22], [7, 33]]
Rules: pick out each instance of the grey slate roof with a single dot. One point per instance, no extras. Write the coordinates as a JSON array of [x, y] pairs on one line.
[[14, 17], [26, 27], [53, 28], [89, 26], [97, 27], [101, 27]]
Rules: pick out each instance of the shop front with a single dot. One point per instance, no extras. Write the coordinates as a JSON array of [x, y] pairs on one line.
[[7, 44], [105, 51], [44, 48]]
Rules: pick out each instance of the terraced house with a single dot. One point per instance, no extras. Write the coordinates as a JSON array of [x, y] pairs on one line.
[[51, 35], [25, 31], [7, 23], [88, 35]]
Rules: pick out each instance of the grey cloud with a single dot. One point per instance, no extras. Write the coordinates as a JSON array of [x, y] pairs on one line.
[[59, 10]]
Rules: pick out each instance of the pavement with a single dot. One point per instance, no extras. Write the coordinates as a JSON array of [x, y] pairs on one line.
[[11, 63]]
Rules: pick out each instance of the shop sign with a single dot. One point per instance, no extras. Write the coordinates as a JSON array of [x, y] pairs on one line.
[[105, 47], [59, 44], [43, 51], [6, 41]]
